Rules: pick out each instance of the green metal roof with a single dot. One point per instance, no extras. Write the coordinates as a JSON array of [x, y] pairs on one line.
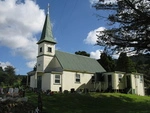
[[47, 35], [72, 62]]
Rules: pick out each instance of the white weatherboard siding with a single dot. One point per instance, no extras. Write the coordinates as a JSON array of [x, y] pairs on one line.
[[120, 84], [46, 81], [52, 46], [54, 73], [43, 62], [32, 81], [40, 64], [54, 86], [139, 85], [54, 64], [113, 82], [46, 61], [68, 81], [44, 47], [132, 81], [44, 57]]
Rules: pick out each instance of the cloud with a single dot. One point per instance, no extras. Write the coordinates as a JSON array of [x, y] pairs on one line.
[[115, 56], [5, 64], [93, 1], [96, 54], [92, 38], [105, 1], [31, 64], [20, 22]]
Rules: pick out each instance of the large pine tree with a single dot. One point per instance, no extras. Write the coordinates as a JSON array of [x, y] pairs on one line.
[[107, 62], [125, 64], [133, 20]]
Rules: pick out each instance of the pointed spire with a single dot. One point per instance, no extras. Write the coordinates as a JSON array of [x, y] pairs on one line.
[[47, 35]]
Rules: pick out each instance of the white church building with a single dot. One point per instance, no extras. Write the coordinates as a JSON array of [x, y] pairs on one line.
[[60, 71]]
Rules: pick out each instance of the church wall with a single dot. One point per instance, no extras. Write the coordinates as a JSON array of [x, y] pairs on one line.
[[139, 84], [54, 65], [46, 81], [46, 61], [133, 81], [69, 81], [54, 86], [120, 81], [40, 64], [32, 81], [44, 47], [43, 62], [113, 83], [45, 55], [52, 46]]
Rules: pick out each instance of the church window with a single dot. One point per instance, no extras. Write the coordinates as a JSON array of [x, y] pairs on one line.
[[77, 79], [93, 79], [49, 49], [141, 78], [40, 49], [57, 79], [120, 77]]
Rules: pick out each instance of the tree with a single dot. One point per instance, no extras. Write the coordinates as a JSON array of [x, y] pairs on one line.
[[125, 64], [35, 67], [84, 53], [143, 66], [107, 62], [4, 78], [10, 71], [133, 20]]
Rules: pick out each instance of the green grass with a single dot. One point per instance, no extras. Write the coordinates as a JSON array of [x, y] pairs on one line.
[[93, 103]]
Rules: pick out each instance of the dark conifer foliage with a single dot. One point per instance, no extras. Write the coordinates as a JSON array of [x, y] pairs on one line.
[[133, 20], [107, 62], [125, 64], [84, 53]]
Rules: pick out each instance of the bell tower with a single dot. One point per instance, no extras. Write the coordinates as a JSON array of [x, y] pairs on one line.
[[46, 45]]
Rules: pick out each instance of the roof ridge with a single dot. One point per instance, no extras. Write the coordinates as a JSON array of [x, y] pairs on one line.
[[75, 54]]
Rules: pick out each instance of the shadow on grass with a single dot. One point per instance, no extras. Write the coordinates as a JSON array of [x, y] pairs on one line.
[[95, 103]]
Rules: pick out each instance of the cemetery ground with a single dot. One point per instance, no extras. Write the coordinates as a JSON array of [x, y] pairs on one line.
[[91, 103]]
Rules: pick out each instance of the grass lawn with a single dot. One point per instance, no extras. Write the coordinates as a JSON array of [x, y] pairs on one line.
[[92, 103]]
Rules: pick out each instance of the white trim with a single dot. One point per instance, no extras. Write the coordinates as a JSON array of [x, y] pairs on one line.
[[57, 79]]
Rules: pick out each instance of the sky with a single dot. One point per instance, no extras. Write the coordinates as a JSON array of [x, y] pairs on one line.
[[74, 27]]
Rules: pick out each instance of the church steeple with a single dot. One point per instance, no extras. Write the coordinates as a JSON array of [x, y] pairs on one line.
[[46, 46], [47, 35]]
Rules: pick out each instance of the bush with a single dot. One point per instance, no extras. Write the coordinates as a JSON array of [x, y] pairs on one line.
[[16, 107]]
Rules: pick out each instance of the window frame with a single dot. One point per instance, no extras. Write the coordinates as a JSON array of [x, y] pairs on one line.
[[77, 78], [57, 77], [49, 49], [120, 76], [141, 78], [40, 49], [93, 79]]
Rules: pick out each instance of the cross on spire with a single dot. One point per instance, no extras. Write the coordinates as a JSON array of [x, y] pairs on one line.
[[48, 8]]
